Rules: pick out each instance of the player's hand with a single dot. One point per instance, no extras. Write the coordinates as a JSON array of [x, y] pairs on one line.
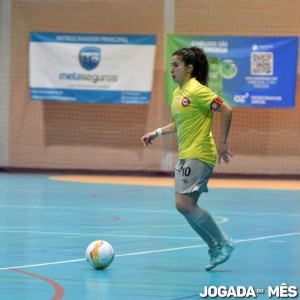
[[224, 153], [149, 137]]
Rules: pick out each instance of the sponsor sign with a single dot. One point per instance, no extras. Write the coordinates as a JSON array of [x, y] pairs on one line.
[[245, 71], [92, 68]]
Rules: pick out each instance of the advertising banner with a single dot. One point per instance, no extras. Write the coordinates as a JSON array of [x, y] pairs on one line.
[[93, 68], [245, 71]]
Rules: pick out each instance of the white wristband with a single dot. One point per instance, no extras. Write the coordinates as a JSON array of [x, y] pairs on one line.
[[159, 132]]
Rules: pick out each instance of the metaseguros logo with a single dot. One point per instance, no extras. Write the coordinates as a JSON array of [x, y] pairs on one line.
[[89, 59]]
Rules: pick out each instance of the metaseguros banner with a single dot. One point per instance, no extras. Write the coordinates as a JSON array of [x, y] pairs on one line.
[[93, 68]]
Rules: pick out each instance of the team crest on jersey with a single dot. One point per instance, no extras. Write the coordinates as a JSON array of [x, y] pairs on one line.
[[185, 102]]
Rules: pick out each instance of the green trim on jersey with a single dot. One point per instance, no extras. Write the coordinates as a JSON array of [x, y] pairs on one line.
[[193, 116]]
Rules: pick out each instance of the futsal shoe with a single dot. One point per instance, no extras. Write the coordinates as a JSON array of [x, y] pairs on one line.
[[220, 253]]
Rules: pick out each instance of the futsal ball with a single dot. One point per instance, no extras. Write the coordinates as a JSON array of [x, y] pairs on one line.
[[99, 254]]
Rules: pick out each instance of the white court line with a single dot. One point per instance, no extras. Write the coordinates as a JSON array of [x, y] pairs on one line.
[[151, 251], [103, 234], [223, 220], [158, 211]]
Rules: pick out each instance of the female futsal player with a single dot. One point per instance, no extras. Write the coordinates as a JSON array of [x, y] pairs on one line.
[[192, 108]]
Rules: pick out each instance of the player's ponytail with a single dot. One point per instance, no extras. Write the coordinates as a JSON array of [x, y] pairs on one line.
[[197, 58], [201, 68]]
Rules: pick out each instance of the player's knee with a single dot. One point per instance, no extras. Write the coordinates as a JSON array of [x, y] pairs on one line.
[[179, 207], [186, 203], [182, 208]]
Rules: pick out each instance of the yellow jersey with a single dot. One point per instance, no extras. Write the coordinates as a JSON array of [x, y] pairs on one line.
[[192, 113]]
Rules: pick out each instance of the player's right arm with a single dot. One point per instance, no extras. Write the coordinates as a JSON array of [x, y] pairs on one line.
[[150, 136]]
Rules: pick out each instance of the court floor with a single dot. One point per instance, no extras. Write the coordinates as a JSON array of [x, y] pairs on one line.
[[47, 221]]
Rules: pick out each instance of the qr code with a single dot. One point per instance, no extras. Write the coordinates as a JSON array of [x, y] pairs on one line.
[[262, 63]]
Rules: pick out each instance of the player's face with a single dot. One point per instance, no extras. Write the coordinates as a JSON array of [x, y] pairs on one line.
[[179, 71]]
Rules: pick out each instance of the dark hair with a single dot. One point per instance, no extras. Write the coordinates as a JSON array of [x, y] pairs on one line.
[[197, 58]]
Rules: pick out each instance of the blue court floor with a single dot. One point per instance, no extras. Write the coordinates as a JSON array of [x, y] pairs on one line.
[[46, 225]]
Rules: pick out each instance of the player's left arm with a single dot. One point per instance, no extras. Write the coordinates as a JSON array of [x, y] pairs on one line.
[[220, 106]]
